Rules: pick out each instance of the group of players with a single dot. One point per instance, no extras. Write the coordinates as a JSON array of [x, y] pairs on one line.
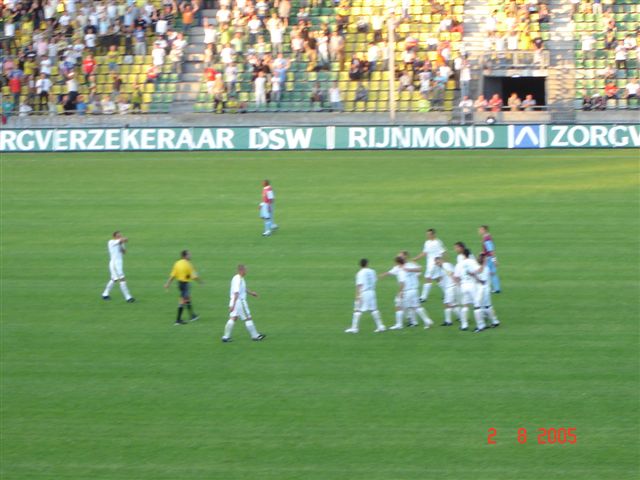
[[467, 286]]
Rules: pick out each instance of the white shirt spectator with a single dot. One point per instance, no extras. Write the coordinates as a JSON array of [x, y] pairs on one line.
[[10, 29], [373, 53], [209, 35], [72, 85], [254, 25], [158, 55], [161, 26], [226, 55], [43, 85], [621, 52], [588, 42], [444, 71], [223, 15], [89, 41], [275, 84], [112, 11], [45, 66], [334, 95], [64, 19], [260, 83], [633, 87], [230, 73]]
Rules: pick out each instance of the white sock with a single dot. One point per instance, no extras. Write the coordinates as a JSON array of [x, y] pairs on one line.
[[125, 290], [252, 328], [492, 315], [447, 315], [477, 313], [426, 288], [376, 318], [424, 316], [458, 311], [463, 317], [399, 315], [355, 320], [107, 289], [412, 317], [228, 328]]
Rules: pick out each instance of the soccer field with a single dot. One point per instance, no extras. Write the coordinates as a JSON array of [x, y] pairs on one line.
[[111, 390]]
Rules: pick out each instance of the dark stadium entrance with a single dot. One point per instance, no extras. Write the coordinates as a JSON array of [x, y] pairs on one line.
[[523, 86]]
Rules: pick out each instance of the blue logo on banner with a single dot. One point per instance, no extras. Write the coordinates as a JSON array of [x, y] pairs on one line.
[[528, 136]]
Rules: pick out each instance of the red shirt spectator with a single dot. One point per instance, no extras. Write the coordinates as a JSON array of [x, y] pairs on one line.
[[610, 90], [495, 103], [88, 65], [14, 85], [210, 73]]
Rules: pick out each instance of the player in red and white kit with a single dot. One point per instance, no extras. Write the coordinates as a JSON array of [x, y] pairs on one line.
[[268, 198]]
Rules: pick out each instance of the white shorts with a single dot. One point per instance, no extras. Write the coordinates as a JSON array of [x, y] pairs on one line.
[[241, 310], [467, 294], [115, 268], [449, 295], [483, 296], [367, 302], [410, 299], [431, 268]]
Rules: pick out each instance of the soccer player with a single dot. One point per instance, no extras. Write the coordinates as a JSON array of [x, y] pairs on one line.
[[117, 248], [366, 298], [433, 247], [269, 197], [444, 275], [483, 306], [265, 215], [406, 299], [238, 307], [412, 284], [184, 272], [489, 250], [464, 273]]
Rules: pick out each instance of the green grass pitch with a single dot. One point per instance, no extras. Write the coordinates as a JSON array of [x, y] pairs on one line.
[[110, 390]]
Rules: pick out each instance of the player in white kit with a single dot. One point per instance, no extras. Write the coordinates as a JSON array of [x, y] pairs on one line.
[[465, 274], [117, 249], [238, 307], [433, 248], [366, 298], [482, 304], [443, 274], [406, 299]]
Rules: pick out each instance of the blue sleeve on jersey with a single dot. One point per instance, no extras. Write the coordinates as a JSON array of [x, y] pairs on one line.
[[488, 245]]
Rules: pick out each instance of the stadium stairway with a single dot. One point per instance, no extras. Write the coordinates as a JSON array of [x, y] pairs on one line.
[[475, 12], [561, 81], [192, 69]]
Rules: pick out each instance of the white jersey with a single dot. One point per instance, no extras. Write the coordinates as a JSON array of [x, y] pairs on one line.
[[469, 266], [443, 274], [395, 271], [411, 281], [116, 249], [366, 278], [433, 248], [238, 286]]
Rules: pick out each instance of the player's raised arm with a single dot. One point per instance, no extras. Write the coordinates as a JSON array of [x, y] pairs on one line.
[[420, 256]]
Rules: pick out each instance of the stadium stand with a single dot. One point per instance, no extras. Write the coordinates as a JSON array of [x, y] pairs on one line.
[[333, 58], [607, 54], [102, 57], [157, 56]]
